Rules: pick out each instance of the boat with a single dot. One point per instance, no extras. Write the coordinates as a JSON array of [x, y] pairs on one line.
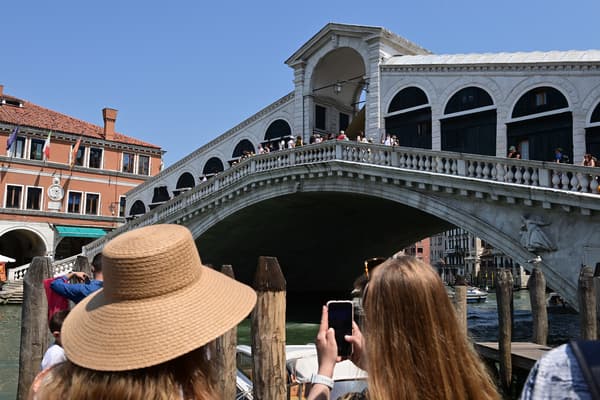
[[474, 294], [301, 363]]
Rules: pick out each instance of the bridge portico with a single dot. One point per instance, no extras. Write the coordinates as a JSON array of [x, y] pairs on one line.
[[323, 208]]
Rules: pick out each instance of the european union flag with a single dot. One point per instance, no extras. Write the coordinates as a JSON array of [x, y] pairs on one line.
[[12, 138]]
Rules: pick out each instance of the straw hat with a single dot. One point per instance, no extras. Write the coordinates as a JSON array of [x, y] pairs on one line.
[[158, 303]]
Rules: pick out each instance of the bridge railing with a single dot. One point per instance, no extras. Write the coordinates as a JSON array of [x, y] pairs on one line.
[[60, 267], [490, 168]]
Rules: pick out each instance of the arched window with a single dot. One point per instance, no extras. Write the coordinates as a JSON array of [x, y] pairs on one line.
[[213, 166], [468, 99], [595, 114], [408, 98], [278, 129], [536, 137], [539, 100], [411, 128], [243, 146], [161, 194], [473, 131], [138, 208], [186, 180]]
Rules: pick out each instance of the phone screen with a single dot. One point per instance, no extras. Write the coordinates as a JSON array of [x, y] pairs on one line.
[[340, 315]]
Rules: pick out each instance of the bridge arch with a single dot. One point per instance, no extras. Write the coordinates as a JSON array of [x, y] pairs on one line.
[[243, 147], [213, 166], [469, 122], [186, 180], [409, 118], [22, 244], [592, 132], [277, 130]]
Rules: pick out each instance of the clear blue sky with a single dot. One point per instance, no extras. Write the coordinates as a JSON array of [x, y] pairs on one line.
[[183, 72]]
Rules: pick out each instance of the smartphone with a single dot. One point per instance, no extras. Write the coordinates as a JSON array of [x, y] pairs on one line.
[[340, 316]]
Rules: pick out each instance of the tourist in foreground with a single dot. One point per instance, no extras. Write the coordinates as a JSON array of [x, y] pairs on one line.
[[144, 335], [413, 347]]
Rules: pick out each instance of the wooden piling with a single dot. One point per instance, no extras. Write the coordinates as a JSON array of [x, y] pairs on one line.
[[460, 302], [539, 312], [504, 296], [34, 323], [225, 350], [586, 294], [268, 331]]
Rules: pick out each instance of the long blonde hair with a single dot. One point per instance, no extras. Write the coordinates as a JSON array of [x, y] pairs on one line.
[[184, 378], [415, 347]]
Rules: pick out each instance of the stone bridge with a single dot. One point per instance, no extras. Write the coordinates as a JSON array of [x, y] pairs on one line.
[[322, 209]]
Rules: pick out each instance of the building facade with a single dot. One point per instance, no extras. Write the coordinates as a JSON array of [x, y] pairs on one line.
[[63, 180]]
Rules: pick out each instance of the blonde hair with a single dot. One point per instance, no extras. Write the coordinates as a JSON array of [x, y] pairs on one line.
[[414, 345], [184, 378]]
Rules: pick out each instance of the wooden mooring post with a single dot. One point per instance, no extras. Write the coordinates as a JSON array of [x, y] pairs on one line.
[[34, 323], [504, 296], [460, 302], [539, 312], [225, 349], [268, 332], [586, 294]]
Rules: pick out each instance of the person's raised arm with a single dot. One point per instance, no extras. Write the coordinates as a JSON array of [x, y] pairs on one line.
[[326, 356]]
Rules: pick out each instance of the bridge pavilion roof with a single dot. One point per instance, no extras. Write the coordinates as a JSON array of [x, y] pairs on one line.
[[571, 56]]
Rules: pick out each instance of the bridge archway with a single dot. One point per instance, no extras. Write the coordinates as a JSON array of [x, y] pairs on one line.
[[244, 147], [186, 180], [542, 123], [22, 245], [337, 82], [409, 118], [213, 166], [469, 122], [277, 130]]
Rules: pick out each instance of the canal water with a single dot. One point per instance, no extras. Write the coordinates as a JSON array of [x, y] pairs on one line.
[[303, 316]]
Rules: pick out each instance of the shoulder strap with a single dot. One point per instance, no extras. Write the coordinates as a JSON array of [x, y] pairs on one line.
[[587, 353]]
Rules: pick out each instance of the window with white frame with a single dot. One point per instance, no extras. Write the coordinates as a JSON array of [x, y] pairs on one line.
[[95, 157], [143, 165], [74, 202], [36, 150], [13, 196], [92, 203], [18, 148], [34, 198], [128, 162], [122, 206]]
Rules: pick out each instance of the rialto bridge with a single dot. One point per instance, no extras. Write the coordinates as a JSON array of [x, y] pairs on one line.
[[323, 208]]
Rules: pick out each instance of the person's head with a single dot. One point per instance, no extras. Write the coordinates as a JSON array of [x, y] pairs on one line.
[[512, 149], [55, 324], [97, 266], [145, 334], [409, 320]]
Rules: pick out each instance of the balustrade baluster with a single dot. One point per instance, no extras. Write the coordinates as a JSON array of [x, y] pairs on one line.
[[486, 171], [518, 175], [565, 181], [526, 176], [584, 182], [574, 183], [471, 169], [555, 179]]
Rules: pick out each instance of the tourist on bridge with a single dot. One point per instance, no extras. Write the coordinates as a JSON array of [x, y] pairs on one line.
[[146, 334], [560, 156], [589, 161], [513, 153], [413, 347], [85, 286]]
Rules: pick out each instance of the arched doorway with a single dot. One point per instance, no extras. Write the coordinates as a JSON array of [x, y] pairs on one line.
[[212, 167], [277, 130], [138, 208], [22, 245], [409, 118], [592, 134], [185, 182], [243, 148], [337, 83], [469, 125], [537, 136]]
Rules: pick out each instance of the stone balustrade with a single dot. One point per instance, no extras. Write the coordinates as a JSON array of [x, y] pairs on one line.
[[60, 267]]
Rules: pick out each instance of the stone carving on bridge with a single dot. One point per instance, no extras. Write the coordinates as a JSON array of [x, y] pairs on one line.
[[532, 236]]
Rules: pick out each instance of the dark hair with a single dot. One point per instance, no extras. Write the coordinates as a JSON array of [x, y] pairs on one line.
[[57, 319], [97, 263]]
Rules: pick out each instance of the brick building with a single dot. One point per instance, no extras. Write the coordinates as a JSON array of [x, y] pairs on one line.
[[55, 200]]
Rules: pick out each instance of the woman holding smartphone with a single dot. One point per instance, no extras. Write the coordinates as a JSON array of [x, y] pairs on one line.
[[413, 346]]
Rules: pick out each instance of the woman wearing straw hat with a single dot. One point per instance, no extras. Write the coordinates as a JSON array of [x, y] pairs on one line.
[[144, 335]]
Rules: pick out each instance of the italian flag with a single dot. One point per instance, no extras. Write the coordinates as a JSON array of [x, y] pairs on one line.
[[46, 149]]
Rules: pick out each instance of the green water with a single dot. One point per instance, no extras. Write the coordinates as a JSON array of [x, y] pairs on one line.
[[10, 334]]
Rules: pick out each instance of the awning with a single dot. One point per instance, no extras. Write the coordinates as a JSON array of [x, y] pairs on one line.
[[76, 231], [5, 259]]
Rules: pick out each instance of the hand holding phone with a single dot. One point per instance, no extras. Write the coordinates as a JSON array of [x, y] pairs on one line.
[[340, 316]]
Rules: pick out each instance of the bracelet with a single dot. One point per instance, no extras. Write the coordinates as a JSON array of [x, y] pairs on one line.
[[322, 379]]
